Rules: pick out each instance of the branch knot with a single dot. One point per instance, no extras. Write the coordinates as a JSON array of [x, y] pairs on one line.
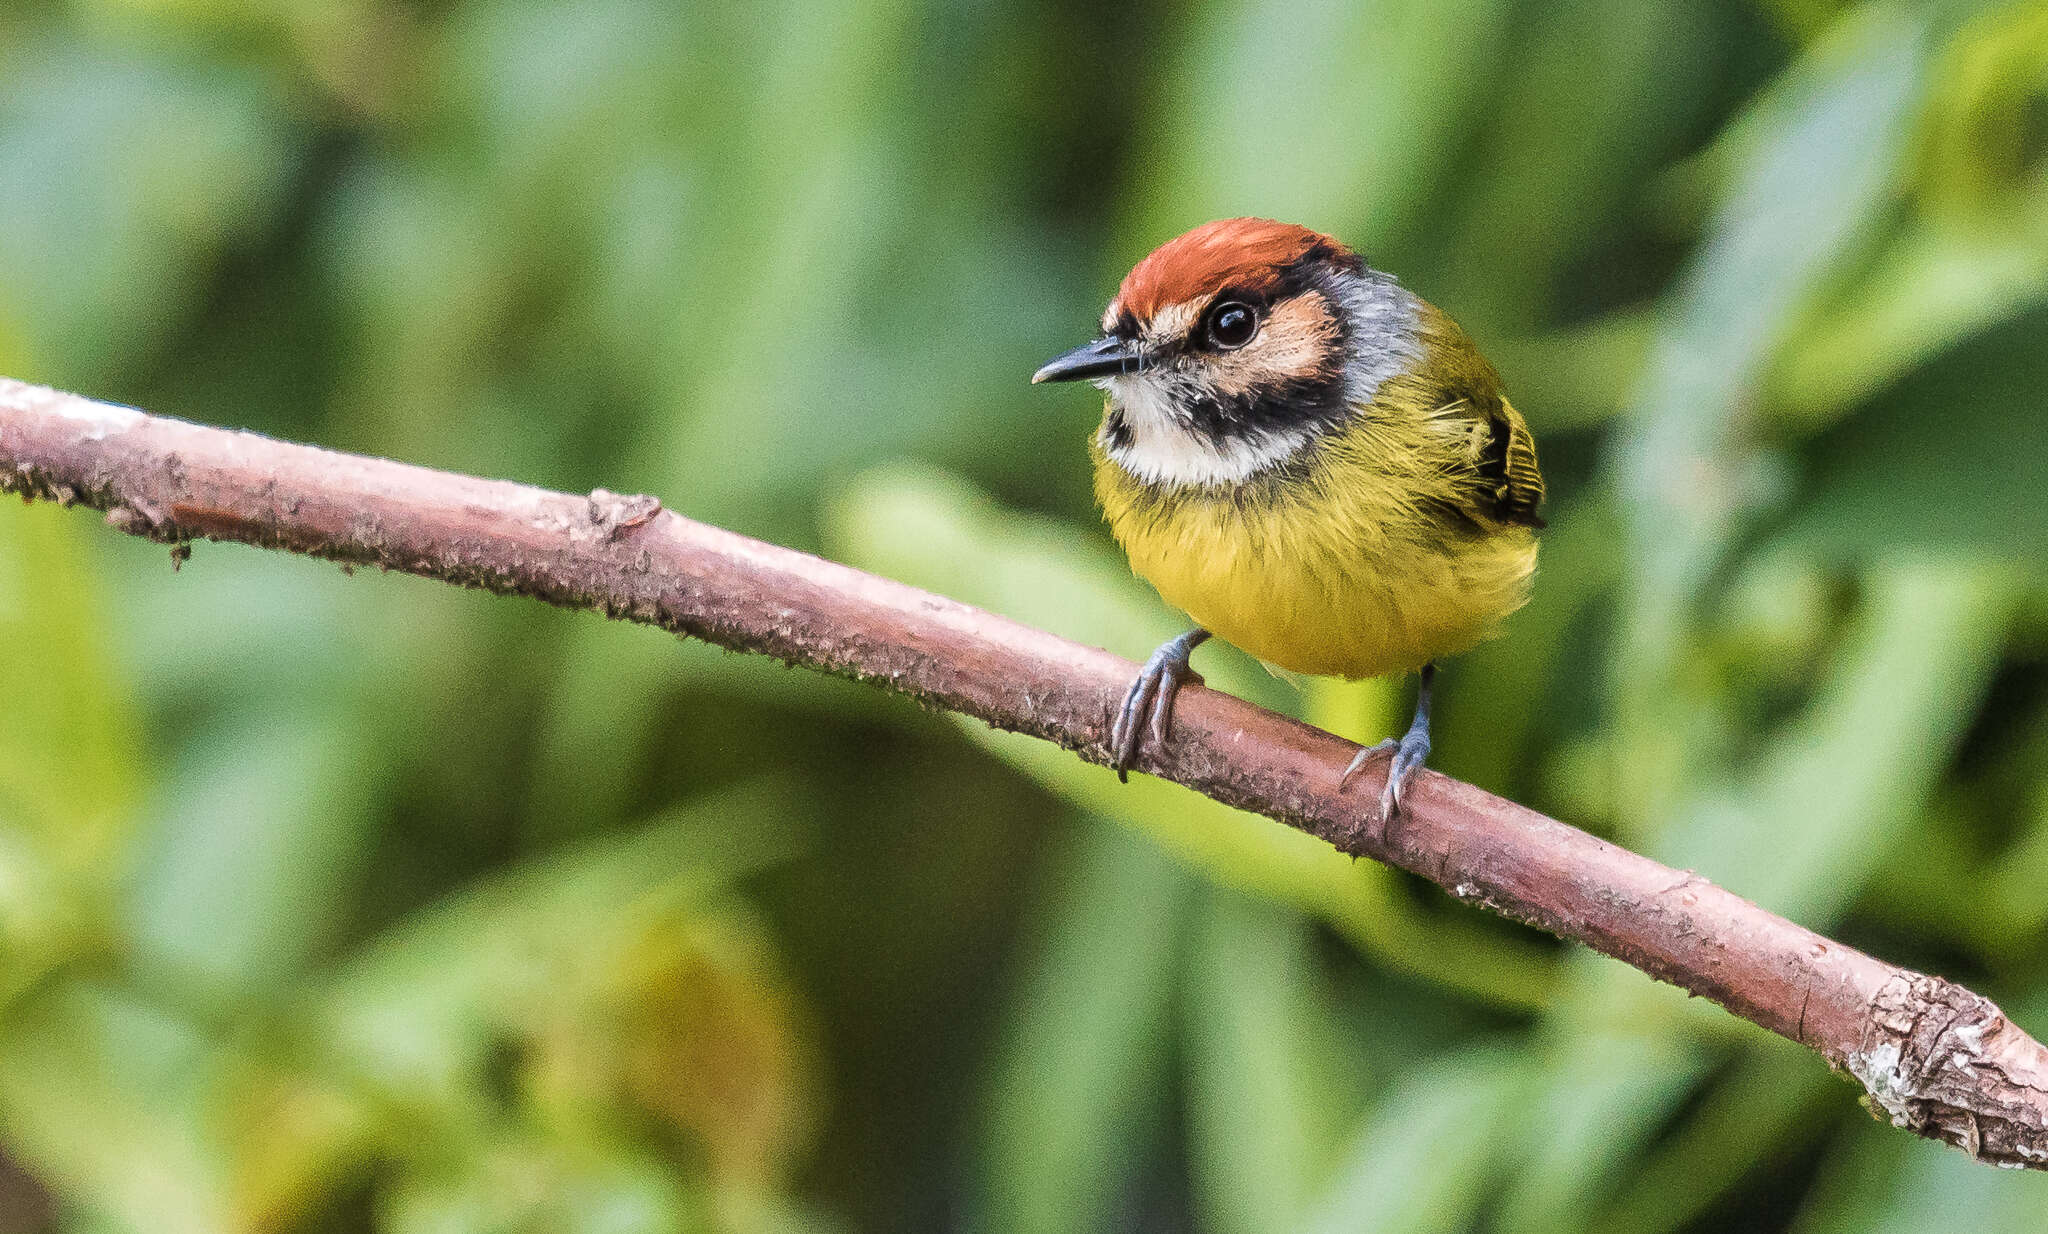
[[1943, 1062], [614, 514]]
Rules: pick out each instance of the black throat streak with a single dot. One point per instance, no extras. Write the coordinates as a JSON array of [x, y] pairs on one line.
[[1116, 431]]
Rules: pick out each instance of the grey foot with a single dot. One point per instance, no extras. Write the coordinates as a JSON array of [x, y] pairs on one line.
[[1409, 753], [1148, 704]]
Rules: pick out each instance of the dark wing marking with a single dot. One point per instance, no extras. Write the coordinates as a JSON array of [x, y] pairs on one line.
[[1508, 485], [1507, 466]]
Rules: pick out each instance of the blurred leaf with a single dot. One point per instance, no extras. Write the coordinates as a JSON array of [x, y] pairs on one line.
[[1267, 1089], [1820, 155], [1748, 1122], [1935, 283], [1834, 124], [1804, 18], [1604, 1089], [611, 972], [1577, 378], [808, 222], [529, 1187], [105, 1097], [1971, 250], [1430, 1148], [1083, 1054], [2012, 889], [359, 51], [1935, 465], [1982, 148], [698, 1025], [1864, 756], [287, 1138], [1877, 1181], [800, 207], [1389, 83], [1587, 105], [69, 743], [125, 171], [246, 873]]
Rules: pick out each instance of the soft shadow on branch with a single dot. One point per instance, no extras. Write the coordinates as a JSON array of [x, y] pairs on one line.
[[1934, 1057]]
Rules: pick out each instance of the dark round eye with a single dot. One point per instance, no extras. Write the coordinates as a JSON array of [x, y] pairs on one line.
[[1232, 325]]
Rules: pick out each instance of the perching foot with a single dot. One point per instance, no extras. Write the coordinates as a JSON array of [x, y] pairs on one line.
[[1409, 753], [1148, 705]]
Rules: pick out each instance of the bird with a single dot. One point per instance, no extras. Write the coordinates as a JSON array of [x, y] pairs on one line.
[[1311, 461]]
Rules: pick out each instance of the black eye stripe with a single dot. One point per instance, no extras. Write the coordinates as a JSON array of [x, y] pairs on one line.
[[1299, 403]]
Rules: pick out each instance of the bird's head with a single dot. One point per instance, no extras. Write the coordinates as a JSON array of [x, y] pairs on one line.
[[1231, 348]]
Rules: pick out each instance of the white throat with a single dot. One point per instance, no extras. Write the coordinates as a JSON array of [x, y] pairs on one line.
[[1161, 446], [1164, 449]]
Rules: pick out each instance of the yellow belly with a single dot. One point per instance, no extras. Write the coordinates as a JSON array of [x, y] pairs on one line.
[[1338, 571]]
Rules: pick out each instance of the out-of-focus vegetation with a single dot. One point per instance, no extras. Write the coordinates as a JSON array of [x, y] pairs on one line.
[[340, 904]]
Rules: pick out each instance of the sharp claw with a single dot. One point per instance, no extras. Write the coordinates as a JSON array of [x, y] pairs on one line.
[[1134, 729], [1390, 796], [1359, 760], [1133, 699], [1408, 758], [1148, 704], [1409, 753], [1162, 702], [1129, 727]]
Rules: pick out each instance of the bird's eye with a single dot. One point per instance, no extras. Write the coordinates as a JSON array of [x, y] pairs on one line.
[[1231, 325]]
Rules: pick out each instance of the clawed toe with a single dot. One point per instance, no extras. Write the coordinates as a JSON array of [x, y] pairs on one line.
[[1360, 759], [1148, 704], [1409, 755], [1129, 728]]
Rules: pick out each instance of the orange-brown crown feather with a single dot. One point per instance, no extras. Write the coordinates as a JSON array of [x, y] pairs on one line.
[[1249, 254]]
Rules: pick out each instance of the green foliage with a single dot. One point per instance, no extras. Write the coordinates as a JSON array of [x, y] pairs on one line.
[[360, 903]]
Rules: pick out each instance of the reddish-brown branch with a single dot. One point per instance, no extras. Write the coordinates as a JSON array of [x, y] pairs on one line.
[[1934, 1057]]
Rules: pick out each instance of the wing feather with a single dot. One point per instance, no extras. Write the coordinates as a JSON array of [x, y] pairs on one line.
[[1507, 466], [1506, 484]]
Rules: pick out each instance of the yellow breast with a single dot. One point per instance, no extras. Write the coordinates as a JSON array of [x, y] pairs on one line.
[[1351, 562]]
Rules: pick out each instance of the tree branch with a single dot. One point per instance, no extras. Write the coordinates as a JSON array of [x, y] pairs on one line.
[[1934, 1057]]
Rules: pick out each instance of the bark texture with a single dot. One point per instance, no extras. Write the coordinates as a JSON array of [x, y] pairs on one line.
[[1934, 1058]]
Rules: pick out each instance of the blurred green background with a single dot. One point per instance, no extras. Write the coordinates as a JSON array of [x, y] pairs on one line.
[[339, 904]]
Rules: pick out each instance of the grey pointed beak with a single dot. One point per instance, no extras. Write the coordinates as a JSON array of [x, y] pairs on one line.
[[1105, 357]]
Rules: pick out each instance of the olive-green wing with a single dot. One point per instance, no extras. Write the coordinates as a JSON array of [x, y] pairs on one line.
[[1507, 485]]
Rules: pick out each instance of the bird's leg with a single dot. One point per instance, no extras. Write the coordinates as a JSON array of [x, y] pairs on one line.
[[1409, 752], [1148, 704]]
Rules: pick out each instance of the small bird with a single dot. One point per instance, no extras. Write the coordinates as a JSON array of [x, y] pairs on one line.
[[1312, 462]]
